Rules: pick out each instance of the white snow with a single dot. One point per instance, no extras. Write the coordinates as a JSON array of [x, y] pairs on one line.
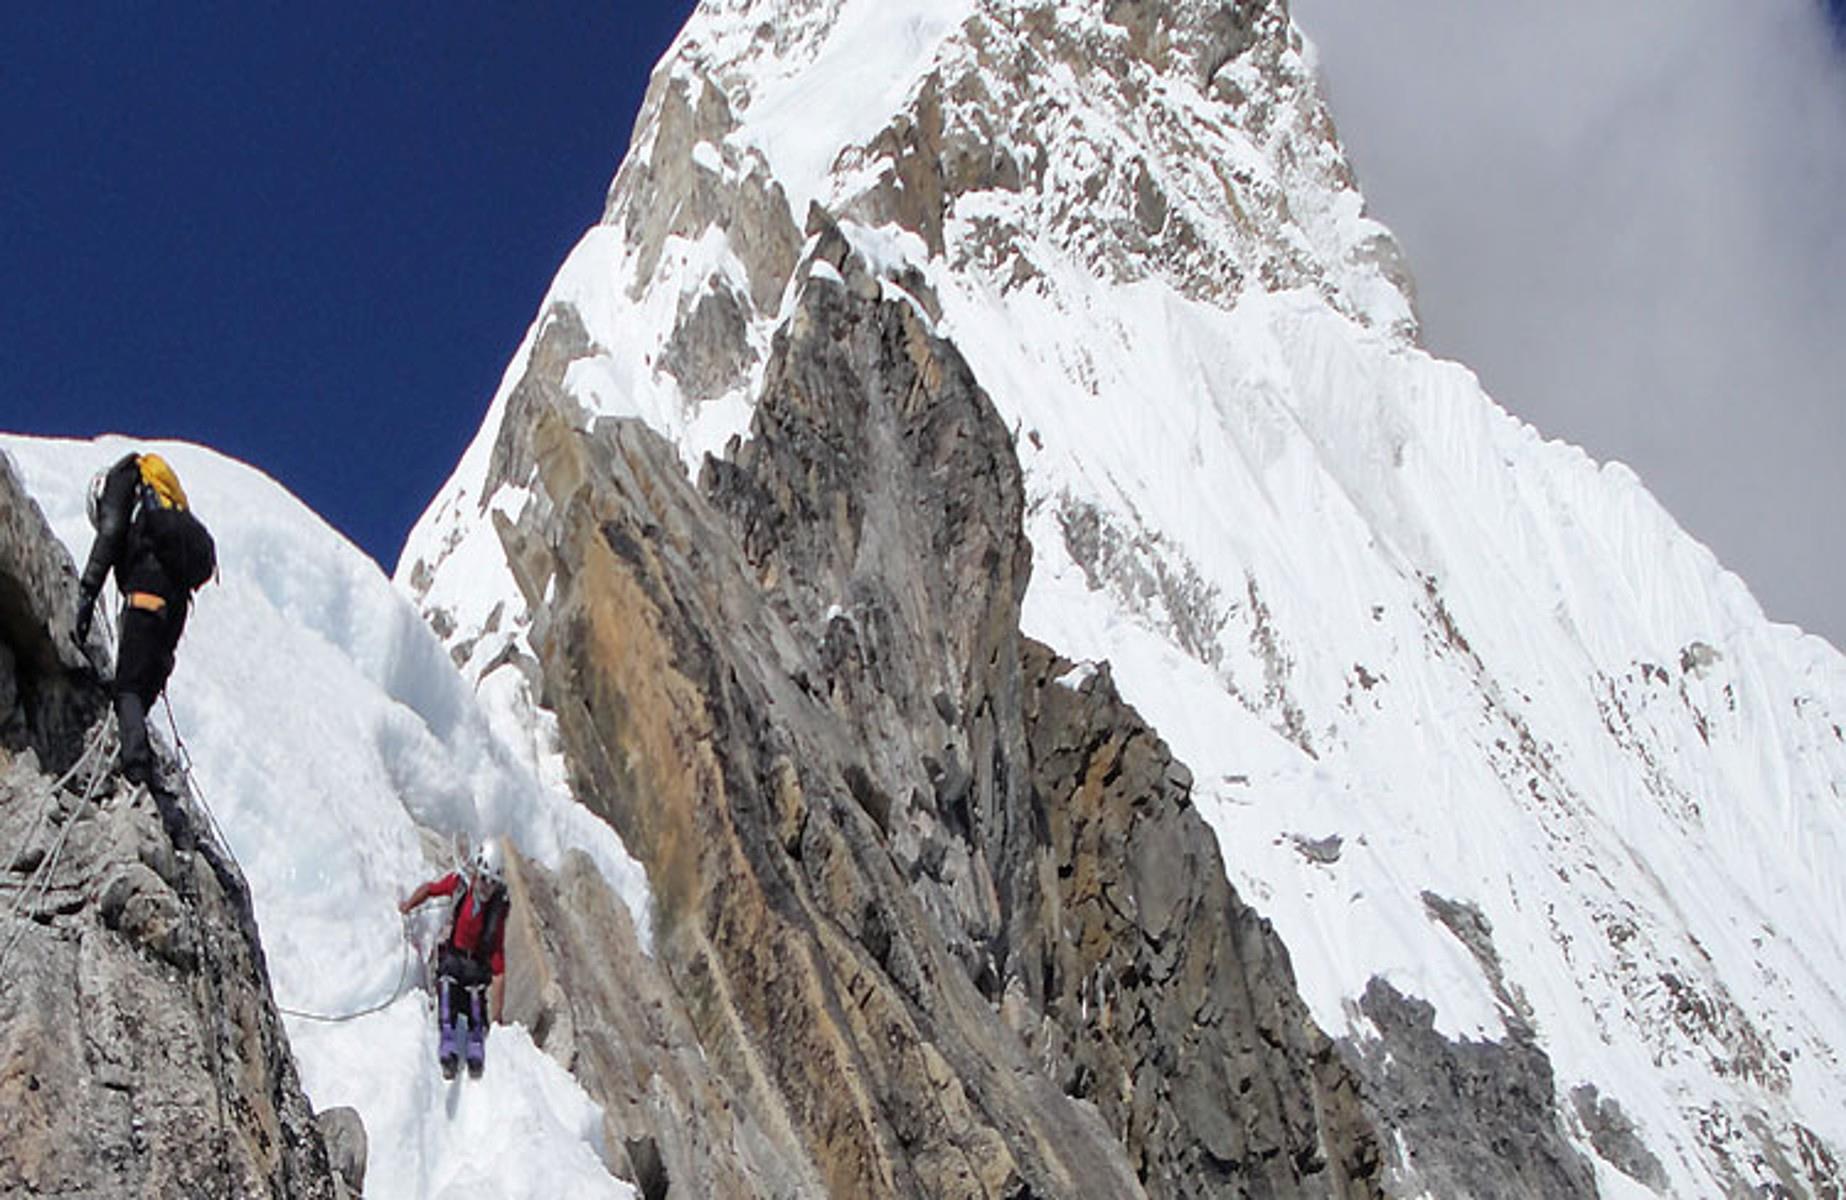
[[805, 104], [524, 1129], [327, 728], [820, 269], [1339, 471], [706, 156]]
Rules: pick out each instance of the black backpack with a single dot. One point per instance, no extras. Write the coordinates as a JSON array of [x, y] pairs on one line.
[[181, 543]]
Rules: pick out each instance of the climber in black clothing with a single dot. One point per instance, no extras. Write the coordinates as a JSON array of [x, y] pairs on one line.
[[159, 552]]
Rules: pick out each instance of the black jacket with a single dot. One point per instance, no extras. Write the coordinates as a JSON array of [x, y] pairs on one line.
[[120, 547]]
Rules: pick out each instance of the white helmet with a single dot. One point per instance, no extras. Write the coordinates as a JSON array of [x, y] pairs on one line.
[[93, 503], [490, 863]]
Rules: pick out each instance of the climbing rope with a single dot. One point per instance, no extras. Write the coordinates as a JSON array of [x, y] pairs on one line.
[[98, 741], [222, 845], [398, 991], [42, 875], [212, 1012], [45, 798], [192, 786], [45, 873]]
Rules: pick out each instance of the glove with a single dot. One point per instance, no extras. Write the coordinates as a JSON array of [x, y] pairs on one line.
[[86, 612]]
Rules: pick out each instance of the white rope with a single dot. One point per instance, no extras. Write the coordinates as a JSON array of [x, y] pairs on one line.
[[398, 991], [193, 788], [45, 800], [43, 874]]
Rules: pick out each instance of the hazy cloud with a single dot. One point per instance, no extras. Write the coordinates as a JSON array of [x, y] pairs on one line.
[[1630, 220]]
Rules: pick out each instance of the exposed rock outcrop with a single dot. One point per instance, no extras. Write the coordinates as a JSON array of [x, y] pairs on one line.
[[1480, 1117], [140, 1050], [579, 980], [1615, 1137], [928, 922], [347, 1146], [48, 696], [665, 190], [1157, 179], [1174, 1005]]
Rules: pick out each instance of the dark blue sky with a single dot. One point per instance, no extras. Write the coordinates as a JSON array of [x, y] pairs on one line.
[[309, 236]]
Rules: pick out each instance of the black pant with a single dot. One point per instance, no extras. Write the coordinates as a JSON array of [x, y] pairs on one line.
[[463, 969], [143, 661], [456, 974], [142, 664]]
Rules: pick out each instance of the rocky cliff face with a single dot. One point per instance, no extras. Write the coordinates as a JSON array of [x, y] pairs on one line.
[[48, 697], [938, 923], [140, 1050]]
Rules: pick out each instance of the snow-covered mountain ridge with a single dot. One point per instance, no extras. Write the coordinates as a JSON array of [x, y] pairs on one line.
[[1378, 617]]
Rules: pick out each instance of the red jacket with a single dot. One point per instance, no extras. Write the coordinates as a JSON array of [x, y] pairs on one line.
[[468, 919]]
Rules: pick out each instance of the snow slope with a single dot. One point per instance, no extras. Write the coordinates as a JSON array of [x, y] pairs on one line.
[[329, 734], [1357, 597]]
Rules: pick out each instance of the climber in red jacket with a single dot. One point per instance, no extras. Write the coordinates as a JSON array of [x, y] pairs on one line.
[[472, 959]]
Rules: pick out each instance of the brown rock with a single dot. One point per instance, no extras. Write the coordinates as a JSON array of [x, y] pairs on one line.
[[919, 927]]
